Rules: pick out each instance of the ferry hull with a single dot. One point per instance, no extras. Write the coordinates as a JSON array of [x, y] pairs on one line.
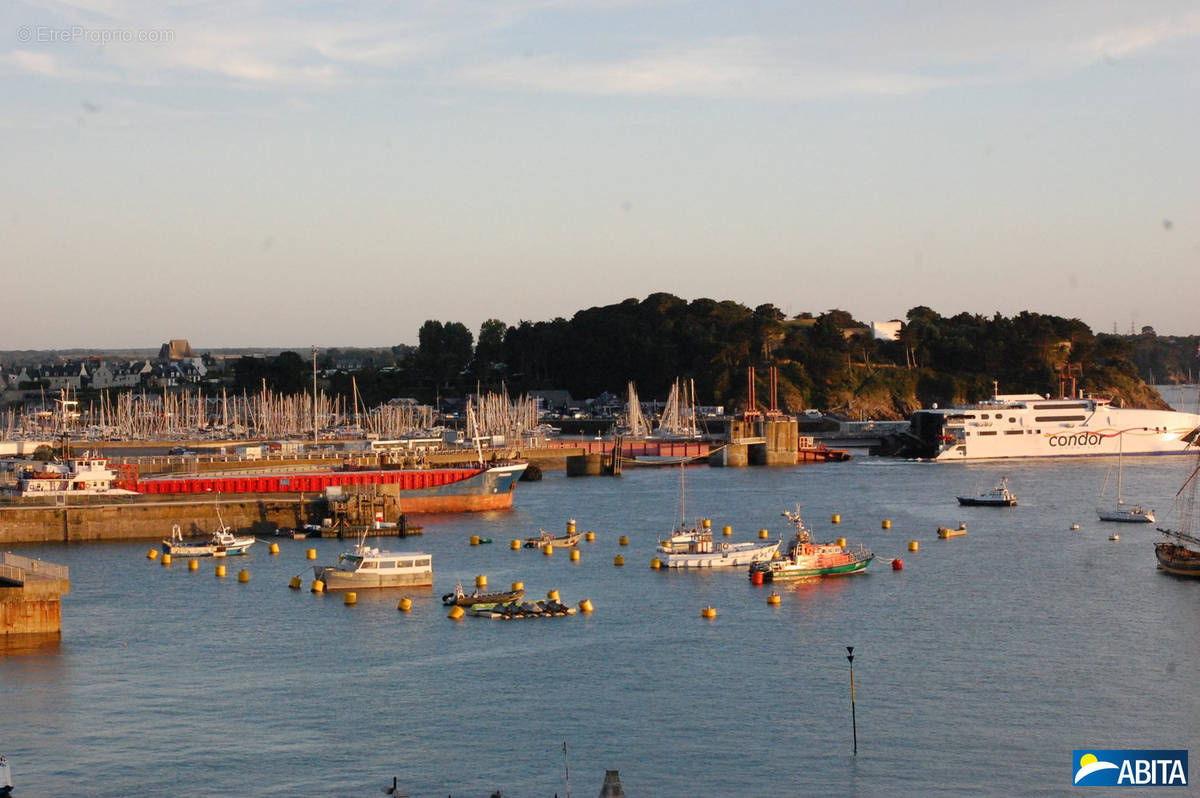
[[1029, 426], [434, 490]]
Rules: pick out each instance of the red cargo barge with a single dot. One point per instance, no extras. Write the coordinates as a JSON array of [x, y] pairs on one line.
[[422, 490]]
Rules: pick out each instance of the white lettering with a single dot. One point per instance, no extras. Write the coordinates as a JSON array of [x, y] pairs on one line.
[[1176, 773], [1126, 774], [1145, 771]]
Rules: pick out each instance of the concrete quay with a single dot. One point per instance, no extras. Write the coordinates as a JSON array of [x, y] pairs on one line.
[[31, 594]]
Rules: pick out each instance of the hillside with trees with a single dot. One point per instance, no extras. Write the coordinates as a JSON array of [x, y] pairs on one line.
[[828, 361]]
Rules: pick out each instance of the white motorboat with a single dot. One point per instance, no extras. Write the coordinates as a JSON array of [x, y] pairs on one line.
[[694, 547], [366, 567]]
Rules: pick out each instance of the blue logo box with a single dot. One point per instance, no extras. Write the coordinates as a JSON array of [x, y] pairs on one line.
[[1103, 767]]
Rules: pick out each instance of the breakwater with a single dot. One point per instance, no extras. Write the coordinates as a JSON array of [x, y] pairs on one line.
[[139, 518]]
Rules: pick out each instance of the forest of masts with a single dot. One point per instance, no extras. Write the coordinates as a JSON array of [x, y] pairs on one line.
[[265, 415], [268, 415]]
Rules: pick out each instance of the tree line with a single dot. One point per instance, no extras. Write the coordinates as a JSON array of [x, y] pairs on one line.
[[828, 361]]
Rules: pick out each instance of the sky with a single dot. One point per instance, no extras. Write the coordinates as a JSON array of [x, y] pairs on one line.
[[335, 174]]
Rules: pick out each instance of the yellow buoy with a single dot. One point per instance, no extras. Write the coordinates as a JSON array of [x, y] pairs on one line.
[[220, 571], [518, 586], [623, 540], [585, 605], [835, 518], [474, 540], [618, 560], [706, 523], [456, 612], [773, 599], [548, 549], [311, 554], [166, 559], [515, 545], [318, 586], [590, 537], [243, 576], [913, 545], [193, 564], [274, 548], [350, 599], [841, 542], [552, 595], [405, 604], [727, 530], [571, 527], [574, 555], [708, 612], [481, 581], [887, 524], [1075, 526], [656, 564], [294, 583], [764, 534], [152, 554]]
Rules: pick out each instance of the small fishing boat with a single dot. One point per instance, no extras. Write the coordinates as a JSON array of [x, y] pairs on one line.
[[945, 532], [563, 541], [365, 567], [804, 559], [223, 543], [999, 496], [463, 599], [693, 547]]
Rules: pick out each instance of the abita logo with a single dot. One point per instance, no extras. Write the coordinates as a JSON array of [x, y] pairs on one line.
[[1131, 768]]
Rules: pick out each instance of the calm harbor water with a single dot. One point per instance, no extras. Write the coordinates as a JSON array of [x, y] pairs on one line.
[[979, 667]]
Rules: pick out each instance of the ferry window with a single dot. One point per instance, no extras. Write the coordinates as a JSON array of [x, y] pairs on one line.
[[999, 415], [406, 563], [1014, 432], [988, 432], [423, 562], [388, 564], [1060, 418], [1012, 420], [370, 564]]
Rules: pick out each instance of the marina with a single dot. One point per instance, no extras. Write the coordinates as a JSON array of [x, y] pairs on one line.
[[1074, 636]]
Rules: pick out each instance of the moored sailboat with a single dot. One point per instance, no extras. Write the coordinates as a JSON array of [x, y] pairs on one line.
[[1130, 514]]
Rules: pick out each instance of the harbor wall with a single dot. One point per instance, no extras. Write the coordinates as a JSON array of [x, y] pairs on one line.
[[140, 519], [32, 609]]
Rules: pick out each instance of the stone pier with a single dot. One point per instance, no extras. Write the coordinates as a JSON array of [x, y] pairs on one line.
[[31, 594]]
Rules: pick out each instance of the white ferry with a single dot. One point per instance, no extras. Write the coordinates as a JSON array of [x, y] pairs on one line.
[[1029, 425]]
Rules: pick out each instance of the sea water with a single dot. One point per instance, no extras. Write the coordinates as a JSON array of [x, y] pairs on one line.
[[979, 667]]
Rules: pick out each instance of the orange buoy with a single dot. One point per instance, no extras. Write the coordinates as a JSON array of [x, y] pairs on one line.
[[756, 577], [897, 564]]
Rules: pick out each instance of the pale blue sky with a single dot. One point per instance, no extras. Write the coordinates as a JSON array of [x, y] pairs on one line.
[[283, 174]]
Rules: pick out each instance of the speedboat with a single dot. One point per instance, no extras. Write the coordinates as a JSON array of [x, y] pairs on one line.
[[463, 599], [999, 496]]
